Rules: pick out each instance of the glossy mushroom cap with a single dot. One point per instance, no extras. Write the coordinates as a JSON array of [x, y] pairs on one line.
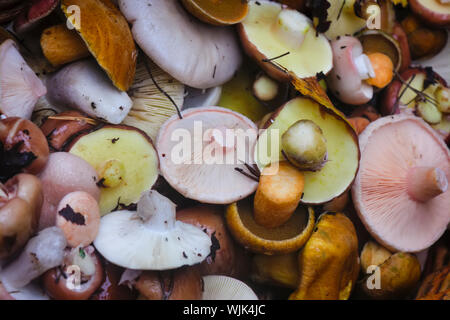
[[401, 191], [198, 55]]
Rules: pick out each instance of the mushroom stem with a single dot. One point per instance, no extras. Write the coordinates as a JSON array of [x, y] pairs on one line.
[[426, 183], [291, 28], [157, 211]]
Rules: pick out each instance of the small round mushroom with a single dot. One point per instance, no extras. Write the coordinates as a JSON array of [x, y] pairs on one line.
[[24, 139], [351, 68], [84, 86], [221, 141], [401, 190], [43, 252], [20, 203], [79, 218], [63, 174], [20, 87], [151, 238], [80, 275], [198, 55]]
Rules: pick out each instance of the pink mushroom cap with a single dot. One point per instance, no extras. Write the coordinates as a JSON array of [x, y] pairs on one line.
[[401, 191], [345, 80]]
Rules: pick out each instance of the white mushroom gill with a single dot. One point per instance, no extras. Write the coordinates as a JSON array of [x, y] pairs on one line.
[[151, 238], [20, 88]]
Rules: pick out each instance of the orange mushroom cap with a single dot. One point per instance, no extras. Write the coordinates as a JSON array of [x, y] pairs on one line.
[[401, 191]]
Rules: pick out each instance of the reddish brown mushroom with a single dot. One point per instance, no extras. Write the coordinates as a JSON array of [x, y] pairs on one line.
[[223, 259], [401, 191], [78, 278], [39, 9], [20, 202], [25, 141], [180, 284]]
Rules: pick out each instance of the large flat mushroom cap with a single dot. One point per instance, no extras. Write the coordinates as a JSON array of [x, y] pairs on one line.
[[390, 148], [108, 37], [196, 54], [201, 173]]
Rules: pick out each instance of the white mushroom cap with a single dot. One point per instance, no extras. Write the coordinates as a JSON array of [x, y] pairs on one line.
[[201, 153], [84, 86], [226, 288], [401, 191], [20, 88], [151, 238], [196, 54]]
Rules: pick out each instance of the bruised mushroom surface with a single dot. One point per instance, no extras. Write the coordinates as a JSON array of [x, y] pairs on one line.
[[151, 238], [20, 88], [401, 190], [201, 56], [201, 154]]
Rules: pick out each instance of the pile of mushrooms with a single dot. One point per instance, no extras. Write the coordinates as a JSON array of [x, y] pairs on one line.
[[137, 159]]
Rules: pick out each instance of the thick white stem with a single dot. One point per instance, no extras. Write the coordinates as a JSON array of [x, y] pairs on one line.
[[157, 211], [291, 28]]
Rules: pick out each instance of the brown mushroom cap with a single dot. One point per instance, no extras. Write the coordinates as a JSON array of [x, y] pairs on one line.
[[58, 287], [180, 284], [401, 191], [20, 202], [222, 259], [108, 38]]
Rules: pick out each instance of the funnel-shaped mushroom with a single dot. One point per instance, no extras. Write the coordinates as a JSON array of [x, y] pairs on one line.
[[194, 53], [401, 191], [201, 154], [20, 88], [151, 238]]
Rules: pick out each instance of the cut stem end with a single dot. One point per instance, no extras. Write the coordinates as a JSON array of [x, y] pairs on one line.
[[425, 183]]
